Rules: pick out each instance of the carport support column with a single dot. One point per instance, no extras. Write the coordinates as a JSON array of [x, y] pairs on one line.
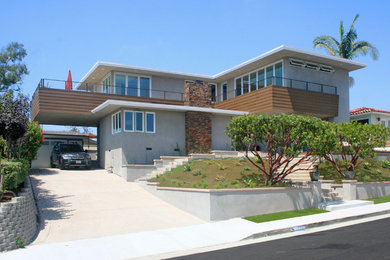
[[197, 124]]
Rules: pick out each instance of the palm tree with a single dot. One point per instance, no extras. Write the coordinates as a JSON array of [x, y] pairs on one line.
[[348, 47]]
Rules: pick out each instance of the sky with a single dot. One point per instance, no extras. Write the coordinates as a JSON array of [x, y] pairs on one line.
[[204, 37]]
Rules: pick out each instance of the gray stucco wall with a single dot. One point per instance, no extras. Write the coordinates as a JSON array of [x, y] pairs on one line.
[[372, 190], [219, 140], [161, 84], [339, 79]]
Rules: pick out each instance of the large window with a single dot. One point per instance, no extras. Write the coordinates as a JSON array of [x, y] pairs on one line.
[[129, 121], [150, 122], [116, 123], [270, 75], [139, 121], [132, 85], [106, 85]]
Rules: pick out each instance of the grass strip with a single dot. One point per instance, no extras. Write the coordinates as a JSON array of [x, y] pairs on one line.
[[284, 215], [380, 199]]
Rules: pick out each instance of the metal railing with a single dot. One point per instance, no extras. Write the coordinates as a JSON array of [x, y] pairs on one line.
[[276, 81], [111, 90]]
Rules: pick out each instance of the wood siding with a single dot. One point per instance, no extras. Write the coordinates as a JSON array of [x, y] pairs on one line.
[[48, 103], [275, 99]]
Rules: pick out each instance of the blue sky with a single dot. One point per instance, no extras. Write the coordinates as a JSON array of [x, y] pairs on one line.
[[203, 37]]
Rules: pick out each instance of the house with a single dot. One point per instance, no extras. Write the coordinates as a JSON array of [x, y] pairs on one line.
[[55, 137], [143, 113], [370, 116]]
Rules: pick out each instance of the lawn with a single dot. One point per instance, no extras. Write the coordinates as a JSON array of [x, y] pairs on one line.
[[380, 199], [214, 174], [368, 170], [284, 215]]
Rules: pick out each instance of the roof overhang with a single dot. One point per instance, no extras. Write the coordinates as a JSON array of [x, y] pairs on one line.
[[100, 69], [111, 106]]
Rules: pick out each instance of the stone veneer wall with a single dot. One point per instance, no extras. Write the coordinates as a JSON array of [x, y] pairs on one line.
[[18, 218], [197, 124]]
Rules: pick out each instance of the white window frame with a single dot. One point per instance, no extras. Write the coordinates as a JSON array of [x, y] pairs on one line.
[[115, 123], [124, 120], [257, 80], [154, 122], [138, 82], [110, 85], [135, 121]]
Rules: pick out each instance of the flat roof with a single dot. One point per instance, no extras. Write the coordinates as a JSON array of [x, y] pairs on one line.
[[112, 105], [100, 69]]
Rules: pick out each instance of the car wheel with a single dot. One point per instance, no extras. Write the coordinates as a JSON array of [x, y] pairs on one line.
[[62, 166], [51, 163]]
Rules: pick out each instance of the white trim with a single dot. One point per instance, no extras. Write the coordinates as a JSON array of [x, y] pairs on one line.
[[223, 73], [143, 121], [154, 122], [144, 105], [124, 120]]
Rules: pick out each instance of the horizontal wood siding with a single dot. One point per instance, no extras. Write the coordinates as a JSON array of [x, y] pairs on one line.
[[275, 99], [57, 100]]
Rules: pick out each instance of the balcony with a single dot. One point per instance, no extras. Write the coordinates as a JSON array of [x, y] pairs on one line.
[[53, 104], [282, 95]]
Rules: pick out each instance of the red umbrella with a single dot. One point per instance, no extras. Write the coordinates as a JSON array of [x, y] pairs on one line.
[[69, 81]]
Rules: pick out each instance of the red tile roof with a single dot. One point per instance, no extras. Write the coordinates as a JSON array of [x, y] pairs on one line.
[[363, 110]]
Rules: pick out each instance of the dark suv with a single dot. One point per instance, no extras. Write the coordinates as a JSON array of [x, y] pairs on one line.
[[69, 155]]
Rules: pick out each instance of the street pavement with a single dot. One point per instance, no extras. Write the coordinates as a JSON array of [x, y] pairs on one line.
[[369, 240]]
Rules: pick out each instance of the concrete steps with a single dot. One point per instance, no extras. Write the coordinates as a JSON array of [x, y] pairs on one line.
[[340, 205]]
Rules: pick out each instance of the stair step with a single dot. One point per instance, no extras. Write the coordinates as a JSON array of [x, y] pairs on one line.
[[340, 205]]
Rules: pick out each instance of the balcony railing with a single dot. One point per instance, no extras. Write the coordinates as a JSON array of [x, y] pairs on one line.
[[276, 81], [112, 90]]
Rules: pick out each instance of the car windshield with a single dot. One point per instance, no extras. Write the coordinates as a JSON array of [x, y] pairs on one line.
[[71, 148]]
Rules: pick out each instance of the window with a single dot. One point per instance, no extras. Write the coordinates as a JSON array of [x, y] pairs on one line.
[[271, 75], [129, 121], [213, 88], [131, 85], [116, 123], [150, 122], [224, 91], [106, 85], [139, 121], [120, 84], [253, 81], [238, 87]]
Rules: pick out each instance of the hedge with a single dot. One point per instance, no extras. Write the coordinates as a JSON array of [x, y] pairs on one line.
[[14, 172]]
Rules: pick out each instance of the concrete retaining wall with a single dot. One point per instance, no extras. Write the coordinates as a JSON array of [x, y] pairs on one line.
[[372, 190], [223, 204], [18, 218]]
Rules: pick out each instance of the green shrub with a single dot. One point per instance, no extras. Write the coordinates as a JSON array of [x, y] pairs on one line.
[[19, 242], [187, 168], [385, 164], [366, 165], [242, 159], [15, 173], [204, 175], [221, 166], [197, 172], [234, 182], [247, 168], [378, 172], [366, 178]]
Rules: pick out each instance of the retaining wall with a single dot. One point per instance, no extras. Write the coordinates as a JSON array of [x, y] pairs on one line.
[[18, 218], [372, 190], [211, 205]]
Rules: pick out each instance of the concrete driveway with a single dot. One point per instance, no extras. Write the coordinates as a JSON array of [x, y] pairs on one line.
[[79, 204]]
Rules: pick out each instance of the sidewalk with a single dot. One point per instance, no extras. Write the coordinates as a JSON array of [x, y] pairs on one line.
[[162, 241]]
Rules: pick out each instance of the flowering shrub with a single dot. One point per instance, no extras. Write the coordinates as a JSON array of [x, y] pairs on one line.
[[32, 141]]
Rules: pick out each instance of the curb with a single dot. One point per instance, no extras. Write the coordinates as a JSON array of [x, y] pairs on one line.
[[312, 225]]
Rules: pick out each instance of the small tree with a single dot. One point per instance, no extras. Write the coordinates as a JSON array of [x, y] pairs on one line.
[[31, 142], [347, 142], [14, 114], [12, 69], [285, 137]]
